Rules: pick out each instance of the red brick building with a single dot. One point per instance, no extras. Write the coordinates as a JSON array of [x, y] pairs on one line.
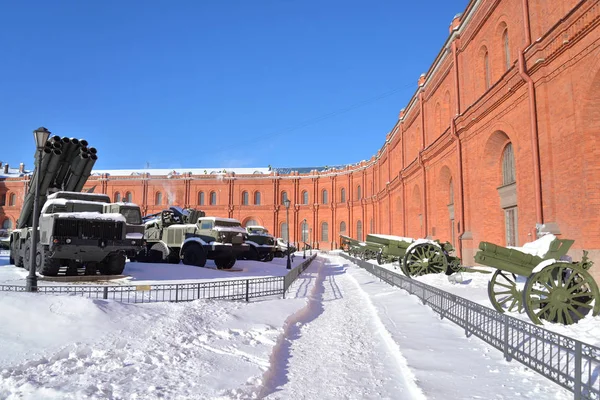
[[503, 133]]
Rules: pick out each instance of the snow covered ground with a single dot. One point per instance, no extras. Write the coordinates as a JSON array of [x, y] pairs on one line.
[[339, 334]]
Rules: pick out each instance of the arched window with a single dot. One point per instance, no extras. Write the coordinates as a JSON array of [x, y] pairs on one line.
[[325, 197], [251, 222], [244, 198], [342, 227], [283, 197], [7, 224], [128, 197], [304, 228], [450, 192], [325, 232], [117, 197], [343, 196], [486, 69], [508, 165], [284, 231], [201, 198], [358, 193], [305, 197], [158, 199], [257, 198], [359, 231], [213, 198], [12, 200], [506, 49]]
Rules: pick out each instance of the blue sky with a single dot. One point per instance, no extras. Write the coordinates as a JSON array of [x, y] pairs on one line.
[[222, 83]]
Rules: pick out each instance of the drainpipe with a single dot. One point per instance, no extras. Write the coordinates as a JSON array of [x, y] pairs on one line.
[[424, 196], [453, 131], [535, 144]]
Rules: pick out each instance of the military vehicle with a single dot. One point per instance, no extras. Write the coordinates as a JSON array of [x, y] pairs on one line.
[[76, 230], [176, 235], [281, 248], [261, 242]]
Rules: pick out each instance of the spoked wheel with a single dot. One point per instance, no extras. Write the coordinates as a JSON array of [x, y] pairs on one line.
[[562, 293], [423, 259], [503, 292]]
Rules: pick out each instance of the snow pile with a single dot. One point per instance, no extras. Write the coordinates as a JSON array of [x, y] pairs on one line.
[[392, 237], [538, 247]]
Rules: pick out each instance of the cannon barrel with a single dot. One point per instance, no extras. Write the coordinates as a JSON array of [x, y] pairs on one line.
[[76, 171], [85, 174]]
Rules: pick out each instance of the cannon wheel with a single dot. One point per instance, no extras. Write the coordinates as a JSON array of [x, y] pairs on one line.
[[423, 259], [503, 292], [561, 292]]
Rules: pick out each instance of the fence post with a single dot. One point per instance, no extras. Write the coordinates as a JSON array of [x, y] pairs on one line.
[[105, 296], [467, 321], [578, 360], [198, 291], [247, 290], [176, 293], [506, 345], [284, 289]]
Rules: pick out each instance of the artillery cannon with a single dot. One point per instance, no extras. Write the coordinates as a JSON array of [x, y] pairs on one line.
[[555, 290], [76, 229], [417, 257], [362, 250]]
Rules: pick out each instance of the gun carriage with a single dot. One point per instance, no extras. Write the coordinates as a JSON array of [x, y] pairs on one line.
[[555, 290]]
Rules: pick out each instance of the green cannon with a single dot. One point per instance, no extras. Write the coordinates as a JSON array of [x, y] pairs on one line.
[[555, 290], [362, 250]]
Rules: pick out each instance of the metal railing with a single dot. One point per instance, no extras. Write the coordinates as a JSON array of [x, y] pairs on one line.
[[572, 364], [233, 289]]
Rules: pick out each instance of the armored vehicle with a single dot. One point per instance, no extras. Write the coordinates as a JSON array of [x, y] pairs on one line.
[[76, 230], [281, 248], [175, 235]]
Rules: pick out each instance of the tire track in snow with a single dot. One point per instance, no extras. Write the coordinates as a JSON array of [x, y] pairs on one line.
[[337, 347]]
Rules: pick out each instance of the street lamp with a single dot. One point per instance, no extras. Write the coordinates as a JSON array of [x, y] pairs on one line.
[[286, 203], [311, 240], [304, 239], [41, 136]]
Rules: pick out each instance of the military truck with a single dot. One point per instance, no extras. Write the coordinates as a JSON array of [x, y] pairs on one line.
[[261, 242], [76, 230], [176, 235], [281, 248]]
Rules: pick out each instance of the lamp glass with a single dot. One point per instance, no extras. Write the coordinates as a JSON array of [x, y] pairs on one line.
[[286, 203], [41, 136]]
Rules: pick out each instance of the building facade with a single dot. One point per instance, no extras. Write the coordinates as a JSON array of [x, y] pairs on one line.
[[501, 136]]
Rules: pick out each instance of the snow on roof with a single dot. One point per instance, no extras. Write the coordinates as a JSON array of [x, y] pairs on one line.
[[12, 172], [256, 227], [219, 219], [392, 237], [179, 171]]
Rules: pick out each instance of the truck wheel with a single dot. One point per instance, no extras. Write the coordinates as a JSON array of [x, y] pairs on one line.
[[44, 264], [279, 254], [252, 254], [173, 257], [114, 264], [225, 262], [26, 255], [194, 254], [269, 257]]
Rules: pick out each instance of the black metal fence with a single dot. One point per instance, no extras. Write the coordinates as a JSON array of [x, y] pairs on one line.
[[571, 363], [233, 289]]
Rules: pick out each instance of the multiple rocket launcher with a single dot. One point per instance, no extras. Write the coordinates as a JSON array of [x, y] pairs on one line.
[[66, 165]]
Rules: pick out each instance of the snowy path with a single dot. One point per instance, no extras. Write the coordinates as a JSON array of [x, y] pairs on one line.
[[338, 331]]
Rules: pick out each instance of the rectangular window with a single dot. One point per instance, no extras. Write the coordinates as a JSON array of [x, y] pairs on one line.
[[511, 219]]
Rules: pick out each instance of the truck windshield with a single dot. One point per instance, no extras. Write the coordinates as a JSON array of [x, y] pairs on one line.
[[132, 215], [226, 223]]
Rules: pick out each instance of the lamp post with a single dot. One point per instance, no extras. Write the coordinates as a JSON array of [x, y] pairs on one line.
[[286, 203], [311, 240], [304, 239], [41, 136]]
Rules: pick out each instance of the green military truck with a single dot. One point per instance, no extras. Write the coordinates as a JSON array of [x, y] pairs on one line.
[[176, 235], [261, 242], [76, 230]]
